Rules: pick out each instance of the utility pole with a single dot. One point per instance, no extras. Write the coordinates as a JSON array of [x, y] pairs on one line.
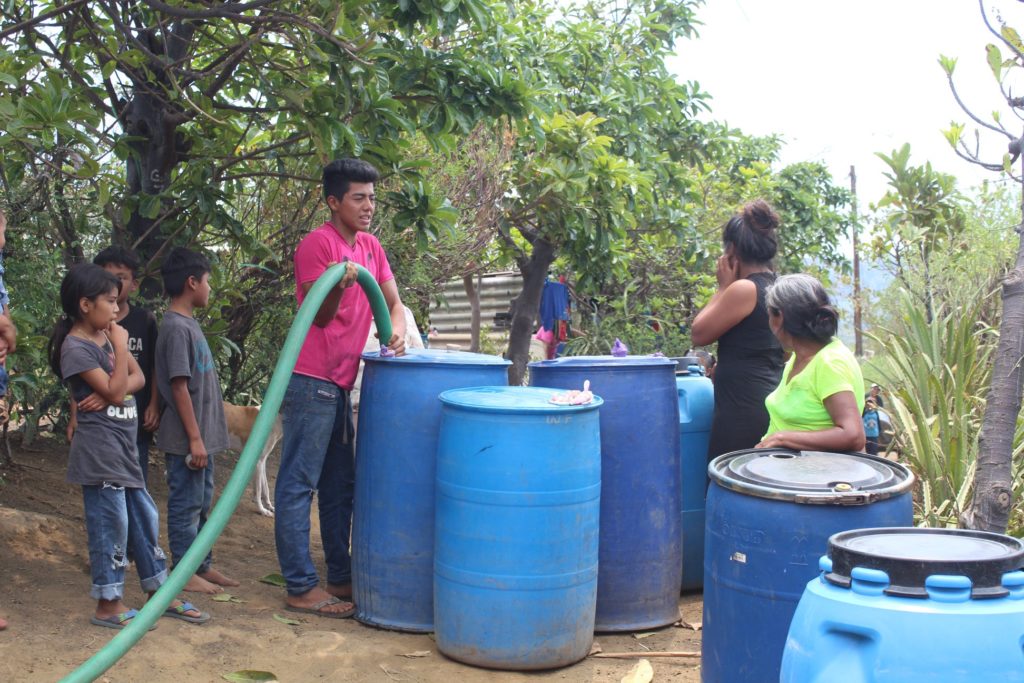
[[858, 334]]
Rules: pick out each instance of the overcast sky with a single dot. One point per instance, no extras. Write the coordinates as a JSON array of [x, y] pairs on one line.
[[843, 80]]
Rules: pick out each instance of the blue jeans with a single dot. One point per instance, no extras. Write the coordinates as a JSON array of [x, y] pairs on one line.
[[189, 497], [316, 458], [114, 518], [142, 441]]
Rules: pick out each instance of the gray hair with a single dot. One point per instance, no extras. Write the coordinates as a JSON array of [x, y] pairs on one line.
[[806, 309]]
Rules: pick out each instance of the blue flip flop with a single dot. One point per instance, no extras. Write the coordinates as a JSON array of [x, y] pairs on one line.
[[179, 613], [116, 621]]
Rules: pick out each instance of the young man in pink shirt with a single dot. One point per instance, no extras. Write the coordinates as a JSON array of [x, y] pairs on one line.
[[316, 451]]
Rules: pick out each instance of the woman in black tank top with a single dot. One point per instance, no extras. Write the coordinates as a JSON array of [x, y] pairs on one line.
[[750, 359]]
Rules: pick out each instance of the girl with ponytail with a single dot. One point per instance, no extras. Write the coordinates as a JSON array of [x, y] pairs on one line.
[[749, 356], [89, 351]]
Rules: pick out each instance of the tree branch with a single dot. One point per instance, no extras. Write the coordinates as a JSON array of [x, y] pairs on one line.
[[983, 124], [517, 253], [228, 10], [29, 23], [997, 34], [268, 174], [231, 161]]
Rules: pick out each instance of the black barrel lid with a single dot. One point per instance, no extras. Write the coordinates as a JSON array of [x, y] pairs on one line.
[[812, 477], [683, 363], [909, 556]]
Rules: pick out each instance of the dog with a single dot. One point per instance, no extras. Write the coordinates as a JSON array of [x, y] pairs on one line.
[[240, 420]]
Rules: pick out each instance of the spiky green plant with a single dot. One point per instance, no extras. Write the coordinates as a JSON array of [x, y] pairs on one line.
[[937, 374]]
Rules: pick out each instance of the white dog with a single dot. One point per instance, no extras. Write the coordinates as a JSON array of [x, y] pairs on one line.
[[240, 420]]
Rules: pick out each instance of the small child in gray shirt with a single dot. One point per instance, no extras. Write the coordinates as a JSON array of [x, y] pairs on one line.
[[192, 425]]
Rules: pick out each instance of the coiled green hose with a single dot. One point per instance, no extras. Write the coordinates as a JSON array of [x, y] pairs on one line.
[[110, 653]]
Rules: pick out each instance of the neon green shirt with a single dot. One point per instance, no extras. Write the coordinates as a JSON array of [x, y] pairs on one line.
[[799, 405]]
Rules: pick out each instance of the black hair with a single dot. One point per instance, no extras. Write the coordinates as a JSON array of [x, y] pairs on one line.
[[751, 232], [83, 281], [118, 255], [178, 266], [341, 173], [807, 311]]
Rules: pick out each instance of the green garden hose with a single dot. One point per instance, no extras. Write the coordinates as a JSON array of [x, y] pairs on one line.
[[110, 653]]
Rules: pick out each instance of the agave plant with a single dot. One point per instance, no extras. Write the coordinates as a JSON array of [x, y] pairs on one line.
[[937, 374]]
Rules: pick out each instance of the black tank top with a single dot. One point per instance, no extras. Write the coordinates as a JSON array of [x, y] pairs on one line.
[[750, 362]]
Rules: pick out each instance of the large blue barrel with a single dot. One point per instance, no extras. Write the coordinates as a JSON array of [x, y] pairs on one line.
[[769, 514], [899, 605], [696, 410], [641, 551], [518, 501], [396, 445]]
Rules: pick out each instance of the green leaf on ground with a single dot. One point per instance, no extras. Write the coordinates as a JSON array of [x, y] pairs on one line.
[[274, 579], [226, 597], [286, 620], [249, 676]]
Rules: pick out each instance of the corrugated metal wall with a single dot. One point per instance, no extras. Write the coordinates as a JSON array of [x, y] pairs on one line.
[[452, 318]]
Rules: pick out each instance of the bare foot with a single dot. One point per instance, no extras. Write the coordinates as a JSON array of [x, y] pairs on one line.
[[340, 590], [214, 576], [198, 584], [3, 624], [318, 596]]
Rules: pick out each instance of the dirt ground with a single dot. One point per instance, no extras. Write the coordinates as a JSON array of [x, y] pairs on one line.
[[44, 584]]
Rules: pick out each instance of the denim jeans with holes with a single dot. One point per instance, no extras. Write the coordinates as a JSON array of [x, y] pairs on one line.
[[316, 459], [114, 517], [189, 498]]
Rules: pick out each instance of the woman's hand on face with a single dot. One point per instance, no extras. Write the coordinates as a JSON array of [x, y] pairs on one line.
[[727, 271]]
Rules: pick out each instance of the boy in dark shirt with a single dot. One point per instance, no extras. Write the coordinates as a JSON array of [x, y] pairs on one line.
[[192, 425], [142, 333]]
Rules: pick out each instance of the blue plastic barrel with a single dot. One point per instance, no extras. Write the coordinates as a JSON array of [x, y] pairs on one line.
[[770, 512], [696, 410], [396, 445], [907, 605], [641, 551], [518, 501]]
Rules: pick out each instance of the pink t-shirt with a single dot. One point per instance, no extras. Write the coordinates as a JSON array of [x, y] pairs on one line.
[[332, 352]]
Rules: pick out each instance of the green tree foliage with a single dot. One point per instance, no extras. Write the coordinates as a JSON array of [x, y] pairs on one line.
[[240, 91], [151, 123], [670, 274], [992, 502], [920, 214], [607, 151]]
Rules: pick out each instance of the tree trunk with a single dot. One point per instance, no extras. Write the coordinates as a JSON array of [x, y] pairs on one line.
[[993, 487], [157, 145], [473, 294], [526, 307]]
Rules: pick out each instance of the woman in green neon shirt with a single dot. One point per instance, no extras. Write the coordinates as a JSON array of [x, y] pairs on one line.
[[817, 405]]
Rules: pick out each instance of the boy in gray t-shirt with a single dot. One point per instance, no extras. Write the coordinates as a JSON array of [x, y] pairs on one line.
[[192, 425]]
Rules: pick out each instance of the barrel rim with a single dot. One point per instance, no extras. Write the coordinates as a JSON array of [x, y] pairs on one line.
[[604, 361], [909, 576], [439, 358], [846, 498], [447, 398]]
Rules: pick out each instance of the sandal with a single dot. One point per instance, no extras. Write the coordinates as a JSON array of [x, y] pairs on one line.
[[179, 613], [316, 609], [116, 621]]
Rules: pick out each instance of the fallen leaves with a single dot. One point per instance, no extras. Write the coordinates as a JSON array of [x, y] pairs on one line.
[[286, 620], [274, 579], [250, 676]]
